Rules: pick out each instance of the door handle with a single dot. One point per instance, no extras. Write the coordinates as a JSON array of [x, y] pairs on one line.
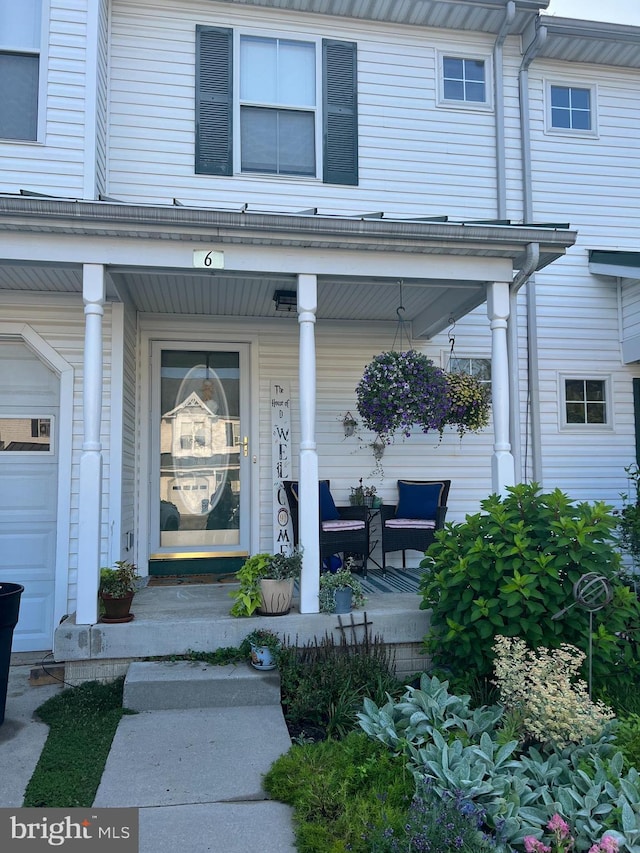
[[245, 446]]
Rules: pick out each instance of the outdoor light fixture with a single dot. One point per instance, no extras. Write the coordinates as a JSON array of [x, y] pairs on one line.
[[286, 300]]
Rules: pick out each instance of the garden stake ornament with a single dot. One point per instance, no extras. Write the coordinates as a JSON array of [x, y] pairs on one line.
[[591, 592]]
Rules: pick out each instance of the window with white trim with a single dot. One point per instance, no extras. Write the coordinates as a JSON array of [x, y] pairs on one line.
[[276, 106], [464, 81], [585, 402], [478, 367], [20, 35], [571, 109]]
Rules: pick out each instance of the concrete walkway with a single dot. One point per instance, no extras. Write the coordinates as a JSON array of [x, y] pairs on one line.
[[194, 772]]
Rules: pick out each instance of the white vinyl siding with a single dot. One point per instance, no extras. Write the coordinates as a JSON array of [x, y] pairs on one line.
[[592, 184], [413, 158], [54, 164]]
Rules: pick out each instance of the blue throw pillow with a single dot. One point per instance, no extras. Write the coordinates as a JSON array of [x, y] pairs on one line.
[[328, 511], [418, 500]]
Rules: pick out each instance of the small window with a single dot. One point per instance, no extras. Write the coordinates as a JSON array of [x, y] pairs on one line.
[[25, 435], [571, 109], [585, 402], [478, 367], [20, 25], [464, 81]]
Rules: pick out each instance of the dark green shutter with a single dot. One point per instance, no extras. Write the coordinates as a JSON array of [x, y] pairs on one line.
[[340, 112], [214, 101]]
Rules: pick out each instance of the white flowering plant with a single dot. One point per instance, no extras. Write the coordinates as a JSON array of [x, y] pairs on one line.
[[543, 685]]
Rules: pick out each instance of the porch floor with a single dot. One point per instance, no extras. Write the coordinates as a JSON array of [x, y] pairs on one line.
[[171, 620]]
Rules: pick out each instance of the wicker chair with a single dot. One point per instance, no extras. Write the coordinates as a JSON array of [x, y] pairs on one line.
[[411, 524], [349, 537]]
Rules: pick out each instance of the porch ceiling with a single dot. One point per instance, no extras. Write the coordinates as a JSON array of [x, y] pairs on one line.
[[444, 266]]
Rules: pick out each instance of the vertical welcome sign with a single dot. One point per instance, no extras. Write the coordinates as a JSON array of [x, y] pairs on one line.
[[281, 463]]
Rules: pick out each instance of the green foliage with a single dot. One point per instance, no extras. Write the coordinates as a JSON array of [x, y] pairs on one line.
[[261, 637], [544, 686], [323, 683], [450, 825], [628, 740], [629, 517], [82, 724], [520, 789], [508, 569], [119, 581], [338, 791], [342, 579], [274, 566]]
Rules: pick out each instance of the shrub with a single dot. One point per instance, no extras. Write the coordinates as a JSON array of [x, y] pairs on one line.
[[323, 683], [543, 685], [339, 790], [628, 740], [508, 569]]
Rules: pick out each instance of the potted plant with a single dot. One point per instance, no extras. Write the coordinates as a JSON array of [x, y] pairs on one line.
[[266, 584], [276, 584], [362, 495], [264, 646], [340, 591], [117, 588]]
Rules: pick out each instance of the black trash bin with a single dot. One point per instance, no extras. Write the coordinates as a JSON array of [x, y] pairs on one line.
[[9, 608]]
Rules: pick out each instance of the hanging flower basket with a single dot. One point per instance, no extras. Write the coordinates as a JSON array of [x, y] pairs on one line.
[[469, 403], [403, 390]]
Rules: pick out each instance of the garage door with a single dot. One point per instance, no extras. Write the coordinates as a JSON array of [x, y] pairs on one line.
[[29, 408]]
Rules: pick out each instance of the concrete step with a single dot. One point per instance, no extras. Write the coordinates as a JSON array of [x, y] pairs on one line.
[[167, 685]]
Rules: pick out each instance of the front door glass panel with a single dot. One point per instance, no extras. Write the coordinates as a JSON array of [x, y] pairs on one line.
[[200, 446]]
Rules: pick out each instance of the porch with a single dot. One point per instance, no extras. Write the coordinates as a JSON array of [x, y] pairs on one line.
[[171, 620]]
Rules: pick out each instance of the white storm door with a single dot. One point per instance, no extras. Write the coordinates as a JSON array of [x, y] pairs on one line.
[[200, 494]]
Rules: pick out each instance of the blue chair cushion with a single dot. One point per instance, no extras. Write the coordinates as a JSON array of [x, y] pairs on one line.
[[328, 511], [418, 500]]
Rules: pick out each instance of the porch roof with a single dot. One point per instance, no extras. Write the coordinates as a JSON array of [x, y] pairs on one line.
[[444, 265]]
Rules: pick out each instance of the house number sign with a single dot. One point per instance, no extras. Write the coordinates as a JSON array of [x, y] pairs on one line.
[[207, 259]]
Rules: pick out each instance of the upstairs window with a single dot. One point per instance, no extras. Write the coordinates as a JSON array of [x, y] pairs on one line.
[[20, 33], [570, 109], [464, 81], [585, 402], [276, 106]]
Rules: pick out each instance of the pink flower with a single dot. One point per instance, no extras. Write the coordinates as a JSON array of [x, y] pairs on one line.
[[607, 844], [532, 845], [557, 824]]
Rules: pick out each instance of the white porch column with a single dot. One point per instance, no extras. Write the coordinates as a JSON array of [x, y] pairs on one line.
[[502, 464], [308, 508], [90, 488]]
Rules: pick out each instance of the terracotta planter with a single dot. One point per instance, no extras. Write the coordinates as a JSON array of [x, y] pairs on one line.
[[276, 597], [116, 609]]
